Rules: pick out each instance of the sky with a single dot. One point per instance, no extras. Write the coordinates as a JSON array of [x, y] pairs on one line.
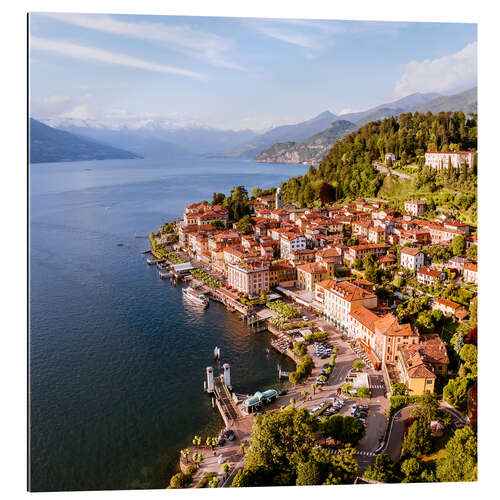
[[236, 73]]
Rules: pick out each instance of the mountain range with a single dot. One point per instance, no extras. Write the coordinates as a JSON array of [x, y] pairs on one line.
[[314, 148], [48, 144], [304, 142]]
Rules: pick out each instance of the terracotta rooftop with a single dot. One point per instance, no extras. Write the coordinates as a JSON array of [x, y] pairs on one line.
[[346, 290], [411, 251]]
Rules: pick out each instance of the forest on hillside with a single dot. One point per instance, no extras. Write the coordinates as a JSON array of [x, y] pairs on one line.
[[347, 172]]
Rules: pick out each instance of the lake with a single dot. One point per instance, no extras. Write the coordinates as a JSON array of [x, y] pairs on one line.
[[117, 357]]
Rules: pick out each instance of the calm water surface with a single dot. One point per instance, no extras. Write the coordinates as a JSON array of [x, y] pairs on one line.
[[117, 356]]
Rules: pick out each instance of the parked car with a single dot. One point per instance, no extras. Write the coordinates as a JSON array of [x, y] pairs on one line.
[[282, 393]]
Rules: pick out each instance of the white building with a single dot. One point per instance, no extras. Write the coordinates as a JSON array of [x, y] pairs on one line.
[[415, 207], [438, 160], [412, 258], [278, 201], [291, 242]]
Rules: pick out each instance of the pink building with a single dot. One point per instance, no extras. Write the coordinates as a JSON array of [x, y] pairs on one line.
[[250, 280]]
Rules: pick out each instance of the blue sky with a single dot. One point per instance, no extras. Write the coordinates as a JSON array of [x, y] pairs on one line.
[[234, 72]]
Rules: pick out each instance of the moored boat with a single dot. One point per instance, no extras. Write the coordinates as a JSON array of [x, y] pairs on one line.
[[195, 297]]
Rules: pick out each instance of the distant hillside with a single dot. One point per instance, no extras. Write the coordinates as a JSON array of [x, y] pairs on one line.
[[348, 166], [48, 144], [283, 133], [465, 101], [312, 150]]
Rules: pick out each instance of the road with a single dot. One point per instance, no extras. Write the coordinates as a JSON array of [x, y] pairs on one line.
[[382, 168]]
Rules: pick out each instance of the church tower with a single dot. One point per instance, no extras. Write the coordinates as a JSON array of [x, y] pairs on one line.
[[278, 199]]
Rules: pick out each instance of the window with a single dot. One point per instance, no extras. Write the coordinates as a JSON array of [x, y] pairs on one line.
[[428, 382]]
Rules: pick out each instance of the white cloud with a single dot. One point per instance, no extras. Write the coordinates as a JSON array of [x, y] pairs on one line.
[[345, 111], [56, 105], [302, 33], [209, 47], [92, 54], [447, 73]]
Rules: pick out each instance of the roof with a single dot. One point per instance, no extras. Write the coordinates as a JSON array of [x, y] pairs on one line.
[[411, 251], [366, 317], [429, 272], [311, 267], [389, 325], [417, 202], [346, 290], [447, 303], [451, 152], [420, 357], [470, 266]]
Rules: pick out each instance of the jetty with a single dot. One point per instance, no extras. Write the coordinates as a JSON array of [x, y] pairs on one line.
[[220, 387]]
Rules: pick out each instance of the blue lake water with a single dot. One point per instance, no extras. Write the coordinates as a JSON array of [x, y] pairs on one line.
[[117, 357]]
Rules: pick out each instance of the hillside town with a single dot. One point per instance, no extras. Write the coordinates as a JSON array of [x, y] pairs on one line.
[[394, 291]]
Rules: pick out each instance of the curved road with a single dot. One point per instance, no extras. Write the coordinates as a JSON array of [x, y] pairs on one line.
[[393, 445]]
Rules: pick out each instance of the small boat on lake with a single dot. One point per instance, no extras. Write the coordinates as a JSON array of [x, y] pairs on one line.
[[195, 297]]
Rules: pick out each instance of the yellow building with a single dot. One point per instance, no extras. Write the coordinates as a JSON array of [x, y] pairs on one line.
[[313, 272], [420, 364]]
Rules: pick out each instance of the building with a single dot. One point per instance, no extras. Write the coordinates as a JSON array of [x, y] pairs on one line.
[[278, 201], [282, 274], [420, 364], [390, 335], [412, 258], [359, 251], [456, 159], [429, 276], [250, 280], [449, 308], [313, 272], [391, 157], [339, 298], [291, 242], [470, 272], [415, 207]]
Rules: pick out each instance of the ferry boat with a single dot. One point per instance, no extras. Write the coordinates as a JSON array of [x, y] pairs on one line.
[[195, 297]]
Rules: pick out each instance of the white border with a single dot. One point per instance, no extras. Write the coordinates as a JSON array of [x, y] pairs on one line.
[[13, 207]]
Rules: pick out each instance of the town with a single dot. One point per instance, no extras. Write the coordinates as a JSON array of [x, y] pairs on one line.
[[376, 306]]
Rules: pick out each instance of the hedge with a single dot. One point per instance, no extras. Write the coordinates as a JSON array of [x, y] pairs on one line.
[[205, 479], [313, 337], [398, 402]]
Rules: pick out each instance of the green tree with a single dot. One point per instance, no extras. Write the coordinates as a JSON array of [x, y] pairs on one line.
[[308, 473], [428, 407], [455, 391], [249, 476], [218, 198], [180, 480], [304, 394], [245, 224], [468, 354], [382, 470], [472, 252], [418, 440], [314, 386], [217, 224], [358, 365], [460, 463], [412, 469], [399, 389], [458, 245]]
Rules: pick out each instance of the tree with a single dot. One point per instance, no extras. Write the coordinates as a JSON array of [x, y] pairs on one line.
[[455, 391], [185, 453], [304, 394], [256, 192], [472, 252], [245, 224], [197, 441], [213, 482], [353, 430], [358, 365], [293, 401], [217, 224], [399, 389], [418, 440], [308, 473], [180, 480], [326, 193], [412, 469], [460, 463], [468, 354], [344, 467], [252, 476], [428, 407], [383, 470], [197, 459], [218, 198], [458, 245], [314, 386]]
